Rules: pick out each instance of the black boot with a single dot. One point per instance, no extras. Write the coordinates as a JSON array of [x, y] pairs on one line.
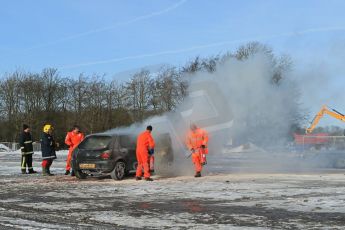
[[148, 179], [48, 172], [72, 173], [23, 171], [197, 174], [67, 172], [31, 171]]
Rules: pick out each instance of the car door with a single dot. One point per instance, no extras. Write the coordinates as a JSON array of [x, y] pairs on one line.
[[127, 148]]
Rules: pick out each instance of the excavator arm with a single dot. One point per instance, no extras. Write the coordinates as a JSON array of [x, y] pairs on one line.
[[324, 110]]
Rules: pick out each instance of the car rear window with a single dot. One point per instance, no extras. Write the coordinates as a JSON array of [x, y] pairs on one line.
[[96, 142]]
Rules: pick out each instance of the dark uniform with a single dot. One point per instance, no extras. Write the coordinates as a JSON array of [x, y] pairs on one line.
[[48, 150], [25, 142]]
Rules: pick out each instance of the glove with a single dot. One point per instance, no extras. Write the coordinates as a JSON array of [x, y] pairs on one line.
[[192, 150], [203, 146], [151, 151]]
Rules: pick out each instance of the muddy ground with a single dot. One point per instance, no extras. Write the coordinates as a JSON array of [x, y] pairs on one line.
[[226, 200]]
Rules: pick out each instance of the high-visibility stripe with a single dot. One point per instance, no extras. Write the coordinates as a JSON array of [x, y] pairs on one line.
[[27, 153], [23, 163], [27, 142]]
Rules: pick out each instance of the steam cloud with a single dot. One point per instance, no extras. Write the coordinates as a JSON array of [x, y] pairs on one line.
[[238, 102]]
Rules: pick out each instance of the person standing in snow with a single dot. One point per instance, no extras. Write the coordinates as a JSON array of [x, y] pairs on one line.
[[197, 140], [145, 147], [26, 148], [73, 138], [48, 149]]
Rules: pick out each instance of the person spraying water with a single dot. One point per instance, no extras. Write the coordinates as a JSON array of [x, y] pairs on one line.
[[197, 140]]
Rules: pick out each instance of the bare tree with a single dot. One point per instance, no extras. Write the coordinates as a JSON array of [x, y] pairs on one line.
[[10, 98], [192, 66], [51, 87], [139, 94], [169, 90]]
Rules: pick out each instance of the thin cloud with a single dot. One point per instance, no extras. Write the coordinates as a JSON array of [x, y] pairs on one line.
[[217, 44], [148, 55], [107, 28]]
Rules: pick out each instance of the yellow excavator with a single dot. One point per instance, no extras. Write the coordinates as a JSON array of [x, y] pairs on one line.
[[324, 110]]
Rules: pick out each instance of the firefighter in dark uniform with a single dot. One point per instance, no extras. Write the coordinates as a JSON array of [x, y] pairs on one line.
[[48, 149], [25, 142]]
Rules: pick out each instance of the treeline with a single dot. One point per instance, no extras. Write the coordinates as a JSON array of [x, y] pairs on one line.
[[93, 102], [97, 103]]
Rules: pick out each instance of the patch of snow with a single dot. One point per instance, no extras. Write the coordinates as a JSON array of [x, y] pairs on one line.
[[62, 206], [27, 224], [175, 221], [4, 148]]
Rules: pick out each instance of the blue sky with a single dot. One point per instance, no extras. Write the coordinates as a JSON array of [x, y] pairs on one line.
[[110, 36]]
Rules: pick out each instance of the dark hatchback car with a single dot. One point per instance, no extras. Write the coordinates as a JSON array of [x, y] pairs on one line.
[[114, 154]]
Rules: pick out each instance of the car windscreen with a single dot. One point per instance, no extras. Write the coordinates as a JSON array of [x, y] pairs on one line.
[[96, 142]]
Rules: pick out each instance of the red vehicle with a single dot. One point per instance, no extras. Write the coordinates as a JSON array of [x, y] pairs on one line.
[[313, 139]]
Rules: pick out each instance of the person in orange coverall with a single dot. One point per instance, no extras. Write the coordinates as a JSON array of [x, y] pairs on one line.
[[73, 138], [145, 146], [197, 140]]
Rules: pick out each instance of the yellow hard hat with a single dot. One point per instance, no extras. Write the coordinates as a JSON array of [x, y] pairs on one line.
[[47, 127]]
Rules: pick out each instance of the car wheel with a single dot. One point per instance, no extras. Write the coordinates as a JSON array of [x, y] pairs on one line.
[[80, 175], [119, 171]]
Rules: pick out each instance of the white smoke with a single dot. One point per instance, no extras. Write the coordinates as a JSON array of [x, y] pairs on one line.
[[237, 102]]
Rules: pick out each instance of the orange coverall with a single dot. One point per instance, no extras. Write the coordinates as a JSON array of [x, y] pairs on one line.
[[195, 140], [144, 143], [72, 140]]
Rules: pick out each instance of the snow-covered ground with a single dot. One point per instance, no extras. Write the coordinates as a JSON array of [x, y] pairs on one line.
[[4, 148], [222, 199]]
